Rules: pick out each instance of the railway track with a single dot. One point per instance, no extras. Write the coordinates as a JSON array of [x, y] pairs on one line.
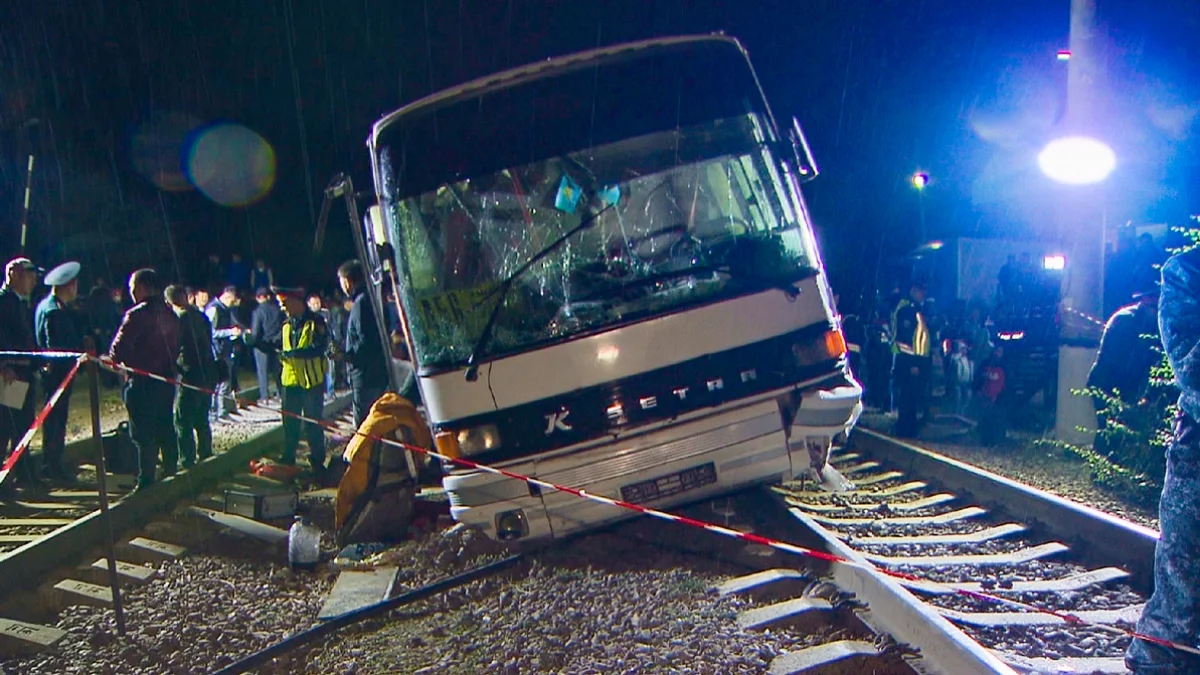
[[49, 540], [917, 513], [912, 512]]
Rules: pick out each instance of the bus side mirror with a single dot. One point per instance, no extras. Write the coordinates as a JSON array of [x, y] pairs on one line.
[[806, 165]]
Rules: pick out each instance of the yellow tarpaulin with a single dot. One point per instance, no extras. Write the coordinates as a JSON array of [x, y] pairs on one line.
[[389, 413]]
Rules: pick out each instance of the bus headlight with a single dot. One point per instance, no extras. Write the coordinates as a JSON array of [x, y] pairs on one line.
[[828, 345], [511, 525], [478, 439]]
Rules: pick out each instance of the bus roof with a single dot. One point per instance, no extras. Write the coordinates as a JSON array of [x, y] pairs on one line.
[[539, 69]]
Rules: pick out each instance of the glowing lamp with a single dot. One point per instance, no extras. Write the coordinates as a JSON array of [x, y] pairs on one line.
[[1077, 160], [920, 180], [1064, 55], [1054, 262]]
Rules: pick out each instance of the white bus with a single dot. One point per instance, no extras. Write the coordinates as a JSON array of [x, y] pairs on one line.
[[607, 278]]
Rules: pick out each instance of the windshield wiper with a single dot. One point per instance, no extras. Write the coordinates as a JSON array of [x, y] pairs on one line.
[[477, 351]]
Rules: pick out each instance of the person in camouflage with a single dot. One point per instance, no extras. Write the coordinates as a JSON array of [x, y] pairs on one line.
[[1172, 611]]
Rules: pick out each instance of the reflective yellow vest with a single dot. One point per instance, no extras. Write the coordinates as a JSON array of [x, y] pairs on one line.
[[299, 371], [918, 342]]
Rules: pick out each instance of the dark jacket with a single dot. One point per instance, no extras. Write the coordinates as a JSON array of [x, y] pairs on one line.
[[1125, 356], [264, 278], [103, 315], [366, 361], [196, 362], [58, 327], [148, 338], [266, 327], [223, 320], [16, 332], [337, 324], [238, 274]]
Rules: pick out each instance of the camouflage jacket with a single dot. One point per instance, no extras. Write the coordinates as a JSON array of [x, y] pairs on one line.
[[1179, 325]]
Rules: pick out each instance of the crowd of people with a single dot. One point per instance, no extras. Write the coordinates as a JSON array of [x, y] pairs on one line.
[[970, 353], [301, 345], [914, 356]]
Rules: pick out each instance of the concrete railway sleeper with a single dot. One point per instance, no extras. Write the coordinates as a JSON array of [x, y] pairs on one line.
[[856, 618], [988, 535], [52, 539]]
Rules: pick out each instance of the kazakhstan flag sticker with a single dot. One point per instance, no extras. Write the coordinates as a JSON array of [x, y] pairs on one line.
[[569, 194]]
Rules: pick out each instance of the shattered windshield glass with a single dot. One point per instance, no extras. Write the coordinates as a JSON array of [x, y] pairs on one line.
[[684, 217]]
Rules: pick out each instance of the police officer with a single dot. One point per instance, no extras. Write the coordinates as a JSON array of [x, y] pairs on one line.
[[1170, 613], [912, 358], [16, 334], [366, 361], [226, 333], [303, 344], [197, 367], [148, 340], [1123, 364], [57, 326]]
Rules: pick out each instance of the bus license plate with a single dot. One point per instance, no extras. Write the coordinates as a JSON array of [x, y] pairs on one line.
[[673, 484]]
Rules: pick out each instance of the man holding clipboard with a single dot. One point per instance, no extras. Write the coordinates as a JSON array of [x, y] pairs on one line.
[[16, 374]]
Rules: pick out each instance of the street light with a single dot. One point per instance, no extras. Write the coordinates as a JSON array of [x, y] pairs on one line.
[[1077, 160], [919, 180]]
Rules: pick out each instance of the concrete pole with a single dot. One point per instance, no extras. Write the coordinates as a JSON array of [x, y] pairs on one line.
[[1081, 225]]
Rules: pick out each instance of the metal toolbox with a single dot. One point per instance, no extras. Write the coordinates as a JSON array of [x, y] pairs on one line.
[[261, 505]]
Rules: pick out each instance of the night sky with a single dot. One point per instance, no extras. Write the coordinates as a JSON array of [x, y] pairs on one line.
[[966, 91]]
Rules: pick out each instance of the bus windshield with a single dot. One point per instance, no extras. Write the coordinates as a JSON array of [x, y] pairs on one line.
[[680, 215]]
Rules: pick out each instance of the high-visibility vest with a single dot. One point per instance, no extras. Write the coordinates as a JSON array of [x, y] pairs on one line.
[[918, 342], [304, 372]]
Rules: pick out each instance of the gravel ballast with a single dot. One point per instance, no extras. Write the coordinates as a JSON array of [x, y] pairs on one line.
[[624, 600], [1046, 469]]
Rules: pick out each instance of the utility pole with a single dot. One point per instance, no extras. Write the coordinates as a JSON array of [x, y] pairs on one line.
[[1081, 219], [28, 184], [25, 208]]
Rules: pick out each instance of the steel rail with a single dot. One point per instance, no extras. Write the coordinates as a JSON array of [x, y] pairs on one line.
[[1093, 534], [41, 557], [336, 623]]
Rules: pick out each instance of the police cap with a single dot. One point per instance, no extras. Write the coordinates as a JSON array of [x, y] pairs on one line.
[[288, 291], [63, 274]]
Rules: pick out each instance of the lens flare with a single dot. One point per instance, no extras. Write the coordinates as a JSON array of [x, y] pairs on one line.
[[232, 165], [1077, 160]]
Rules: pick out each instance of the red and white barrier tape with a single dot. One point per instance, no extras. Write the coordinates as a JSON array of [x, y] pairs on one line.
[[684, 520], [40, 419]]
